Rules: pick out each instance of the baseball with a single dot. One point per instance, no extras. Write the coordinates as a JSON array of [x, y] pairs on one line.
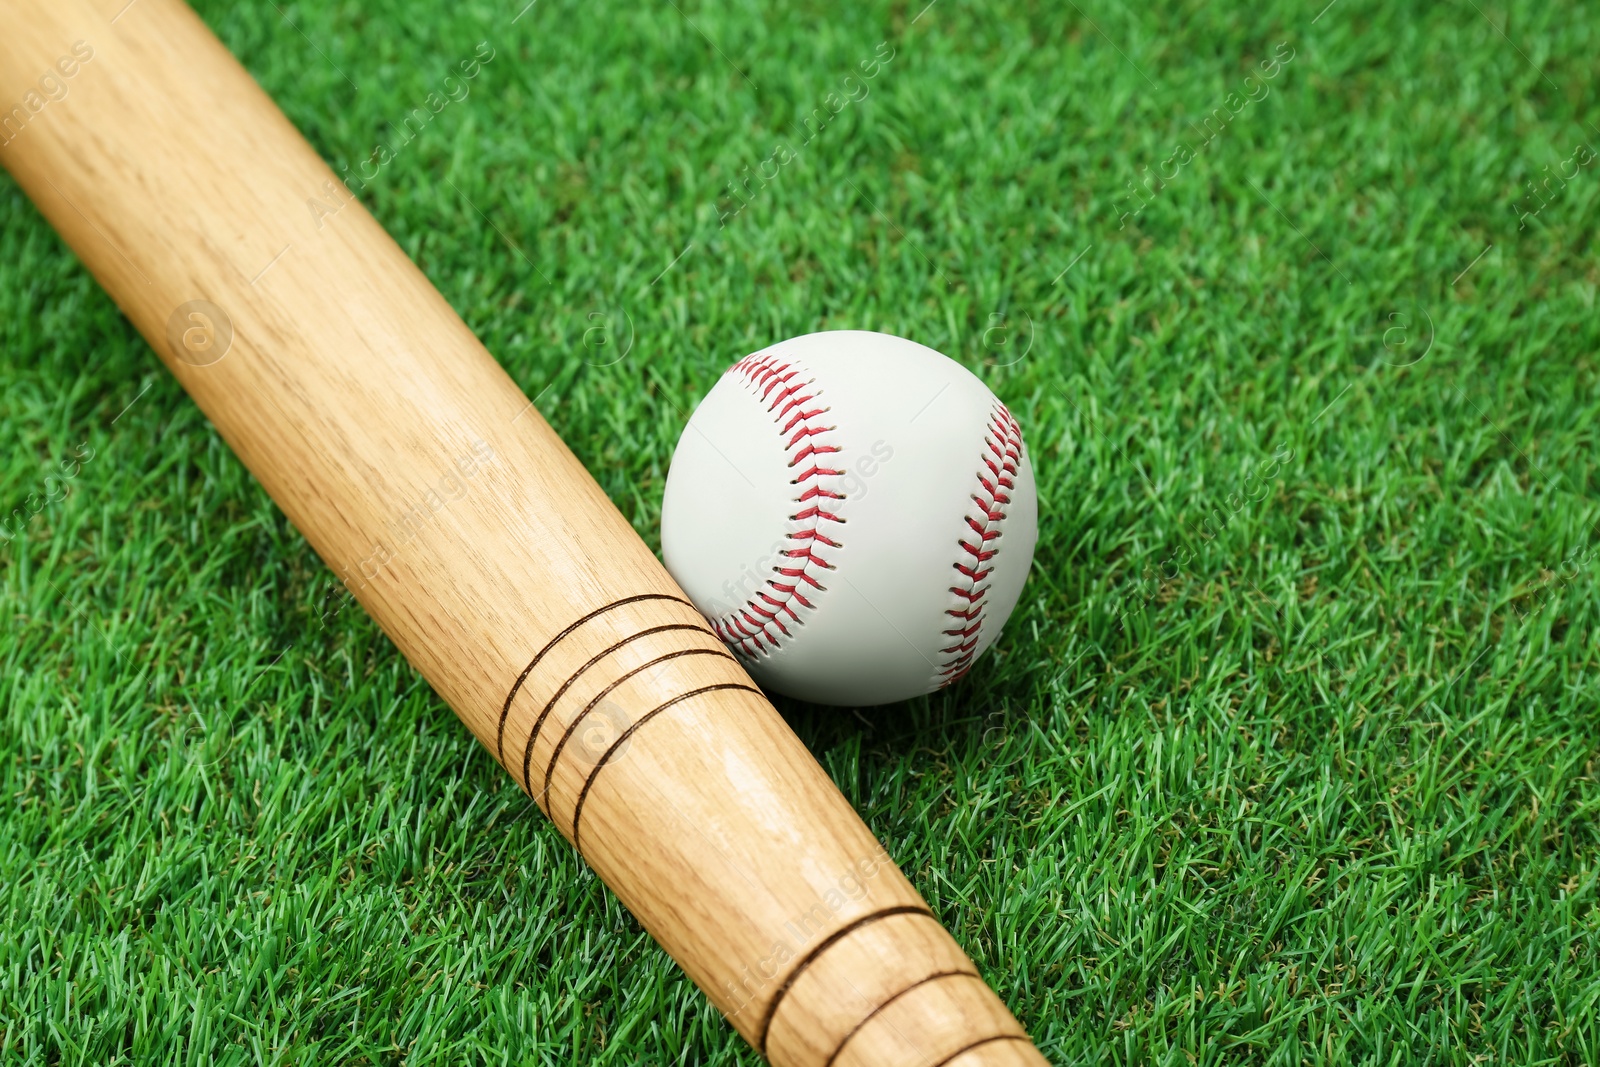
[[854, 513]]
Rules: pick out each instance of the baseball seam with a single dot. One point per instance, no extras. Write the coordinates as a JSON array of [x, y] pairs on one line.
[[756, 628], [997, 479]]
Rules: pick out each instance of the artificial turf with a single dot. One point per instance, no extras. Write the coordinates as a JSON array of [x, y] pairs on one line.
[[1289, 753]]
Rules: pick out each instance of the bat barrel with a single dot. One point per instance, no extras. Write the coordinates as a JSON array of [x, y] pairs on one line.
[[422, 476]]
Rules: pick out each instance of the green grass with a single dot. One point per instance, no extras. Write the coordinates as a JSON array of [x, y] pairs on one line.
[[1312, 781]]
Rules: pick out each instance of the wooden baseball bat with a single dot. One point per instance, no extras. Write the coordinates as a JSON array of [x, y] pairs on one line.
[[349, 387]]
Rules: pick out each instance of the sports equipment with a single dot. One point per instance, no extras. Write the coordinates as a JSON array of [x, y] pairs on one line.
[[854, 513], [349, 387]]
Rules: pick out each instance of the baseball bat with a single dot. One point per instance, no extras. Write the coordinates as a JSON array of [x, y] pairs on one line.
[[351, 390]]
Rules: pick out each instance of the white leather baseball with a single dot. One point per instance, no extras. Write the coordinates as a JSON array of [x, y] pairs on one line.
[[855, 513]]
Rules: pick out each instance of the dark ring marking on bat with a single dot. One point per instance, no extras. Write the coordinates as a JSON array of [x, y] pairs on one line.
[[555, 754], [914, 985], [527, 752], [500, 738], [828, 942], [981, 1041], [583, 794]]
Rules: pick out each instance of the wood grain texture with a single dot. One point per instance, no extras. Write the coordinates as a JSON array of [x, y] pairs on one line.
[[351, 390]]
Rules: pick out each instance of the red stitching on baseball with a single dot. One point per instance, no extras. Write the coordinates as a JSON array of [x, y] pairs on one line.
[[997, 474], [814, 472], [788, 395]]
